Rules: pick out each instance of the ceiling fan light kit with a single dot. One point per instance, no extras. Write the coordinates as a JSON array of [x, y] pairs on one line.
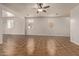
[[40, 10]]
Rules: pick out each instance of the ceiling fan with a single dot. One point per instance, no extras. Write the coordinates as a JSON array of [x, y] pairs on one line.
[[41, 7]]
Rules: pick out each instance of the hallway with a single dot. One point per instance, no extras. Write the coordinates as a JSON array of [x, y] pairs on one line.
[[38, 45]]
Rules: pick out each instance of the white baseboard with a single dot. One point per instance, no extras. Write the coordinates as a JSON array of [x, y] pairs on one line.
[[75, 42], [47, 35], [14, 34]]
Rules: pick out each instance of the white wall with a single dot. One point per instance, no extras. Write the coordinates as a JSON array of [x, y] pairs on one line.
[[18, 23], [18, 26], [75, 25], [11, 11], [0, 21], [61, 26], [1, 26]]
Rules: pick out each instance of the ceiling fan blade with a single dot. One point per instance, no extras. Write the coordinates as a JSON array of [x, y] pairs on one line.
[[44, 11], [40, 4], [46, 7]]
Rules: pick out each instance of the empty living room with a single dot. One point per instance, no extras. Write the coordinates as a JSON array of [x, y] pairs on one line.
[[39, 29]]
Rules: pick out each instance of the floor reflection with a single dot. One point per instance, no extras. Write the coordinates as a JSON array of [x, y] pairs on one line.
[[30, 46], [9, 47], [21, 45], [40, 46], [51, 46]]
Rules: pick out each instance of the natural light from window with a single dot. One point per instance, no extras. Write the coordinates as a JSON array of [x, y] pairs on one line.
[[10, 24], [7, 14]]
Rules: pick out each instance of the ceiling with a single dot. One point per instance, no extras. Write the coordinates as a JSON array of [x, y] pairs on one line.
[[28, 9]]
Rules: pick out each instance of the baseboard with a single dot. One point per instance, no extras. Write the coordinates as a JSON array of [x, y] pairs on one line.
[[36, 35], [75, 42], [48, 35], [13, 34]]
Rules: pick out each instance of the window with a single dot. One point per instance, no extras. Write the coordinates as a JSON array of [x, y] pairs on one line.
[[10, 24]]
